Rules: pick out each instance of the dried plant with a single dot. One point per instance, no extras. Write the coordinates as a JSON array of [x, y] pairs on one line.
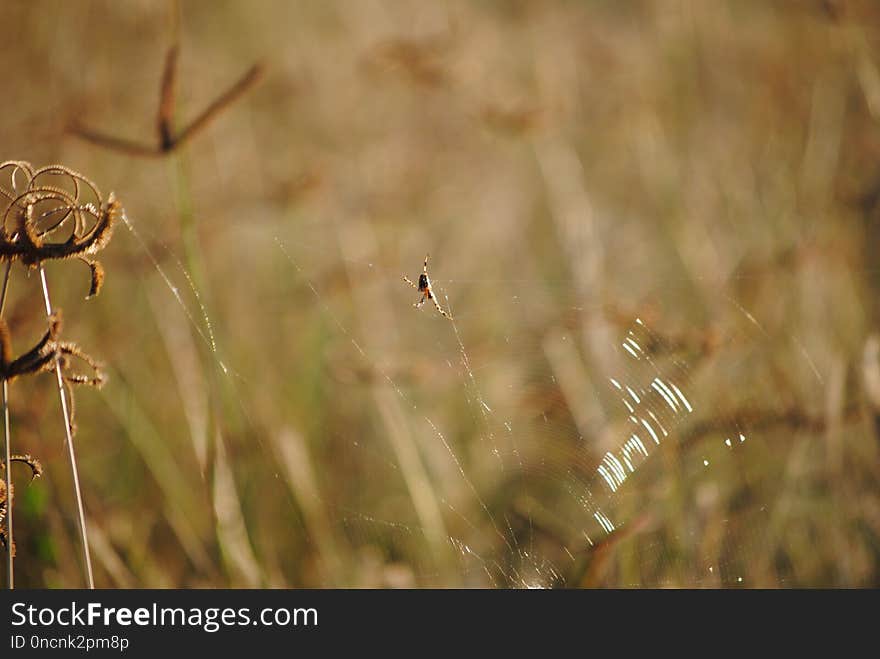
[[39, 359], [6, 499], [42, 220], [49, 213], [170, 140]]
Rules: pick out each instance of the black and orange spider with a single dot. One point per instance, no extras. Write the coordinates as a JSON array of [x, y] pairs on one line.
[[424, 287]]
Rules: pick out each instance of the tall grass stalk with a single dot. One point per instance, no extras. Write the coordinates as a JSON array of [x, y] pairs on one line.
[[62, 394], [7, 442]]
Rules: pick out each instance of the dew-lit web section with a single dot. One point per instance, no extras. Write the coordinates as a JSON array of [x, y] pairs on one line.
[[651, 409]]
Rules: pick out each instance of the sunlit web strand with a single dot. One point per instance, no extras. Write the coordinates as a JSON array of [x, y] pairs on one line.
[[208, 337]]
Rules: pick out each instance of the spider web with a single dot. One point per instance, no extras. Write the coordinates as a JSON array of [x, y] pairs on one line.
[[598, 435], [585, 443]]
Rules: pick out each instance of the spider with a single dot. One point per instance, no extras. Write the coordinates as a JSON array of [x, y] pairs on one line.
[[424, 287]]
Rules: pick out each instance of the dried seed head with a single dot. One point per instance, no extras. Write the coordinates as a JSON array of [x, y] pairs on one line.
[[35, 360], [41, 358], [68, 352], [53, 213], [7, 499], [97, 271]]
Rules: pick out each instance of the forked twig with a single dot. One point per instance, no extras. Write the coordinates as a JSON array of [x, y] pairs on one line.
[[168, 140]]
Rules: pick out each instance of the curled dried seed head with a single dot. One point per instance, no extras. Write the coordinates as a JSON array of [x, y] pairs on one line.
[[7, 499], [35, 360], [53, 213], [68, 352], [35, 466], [97, 271], [42, 357]]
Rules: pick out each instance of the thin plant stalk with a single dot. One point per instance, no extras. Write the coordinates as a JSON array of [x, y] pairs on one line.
[[87, 558], [7, 440]]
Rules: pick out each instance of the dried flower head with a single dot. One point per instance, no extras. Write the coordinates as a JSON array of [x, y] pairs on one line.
[[53, 213], [41, 359], [6, 499]]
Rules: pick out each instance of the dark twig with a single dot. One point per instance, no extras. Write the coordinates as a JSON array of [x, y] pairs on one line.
[[168, 100], [112, 143], [168, 140], [248, 80]]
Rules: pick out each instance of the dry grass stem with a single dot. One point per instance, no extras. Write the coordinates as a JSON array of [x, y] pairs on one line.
[[68, 431]]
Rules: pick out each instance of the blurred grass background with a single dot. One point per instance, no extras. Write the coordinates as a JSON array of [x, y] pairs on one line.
[[709, 167]]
